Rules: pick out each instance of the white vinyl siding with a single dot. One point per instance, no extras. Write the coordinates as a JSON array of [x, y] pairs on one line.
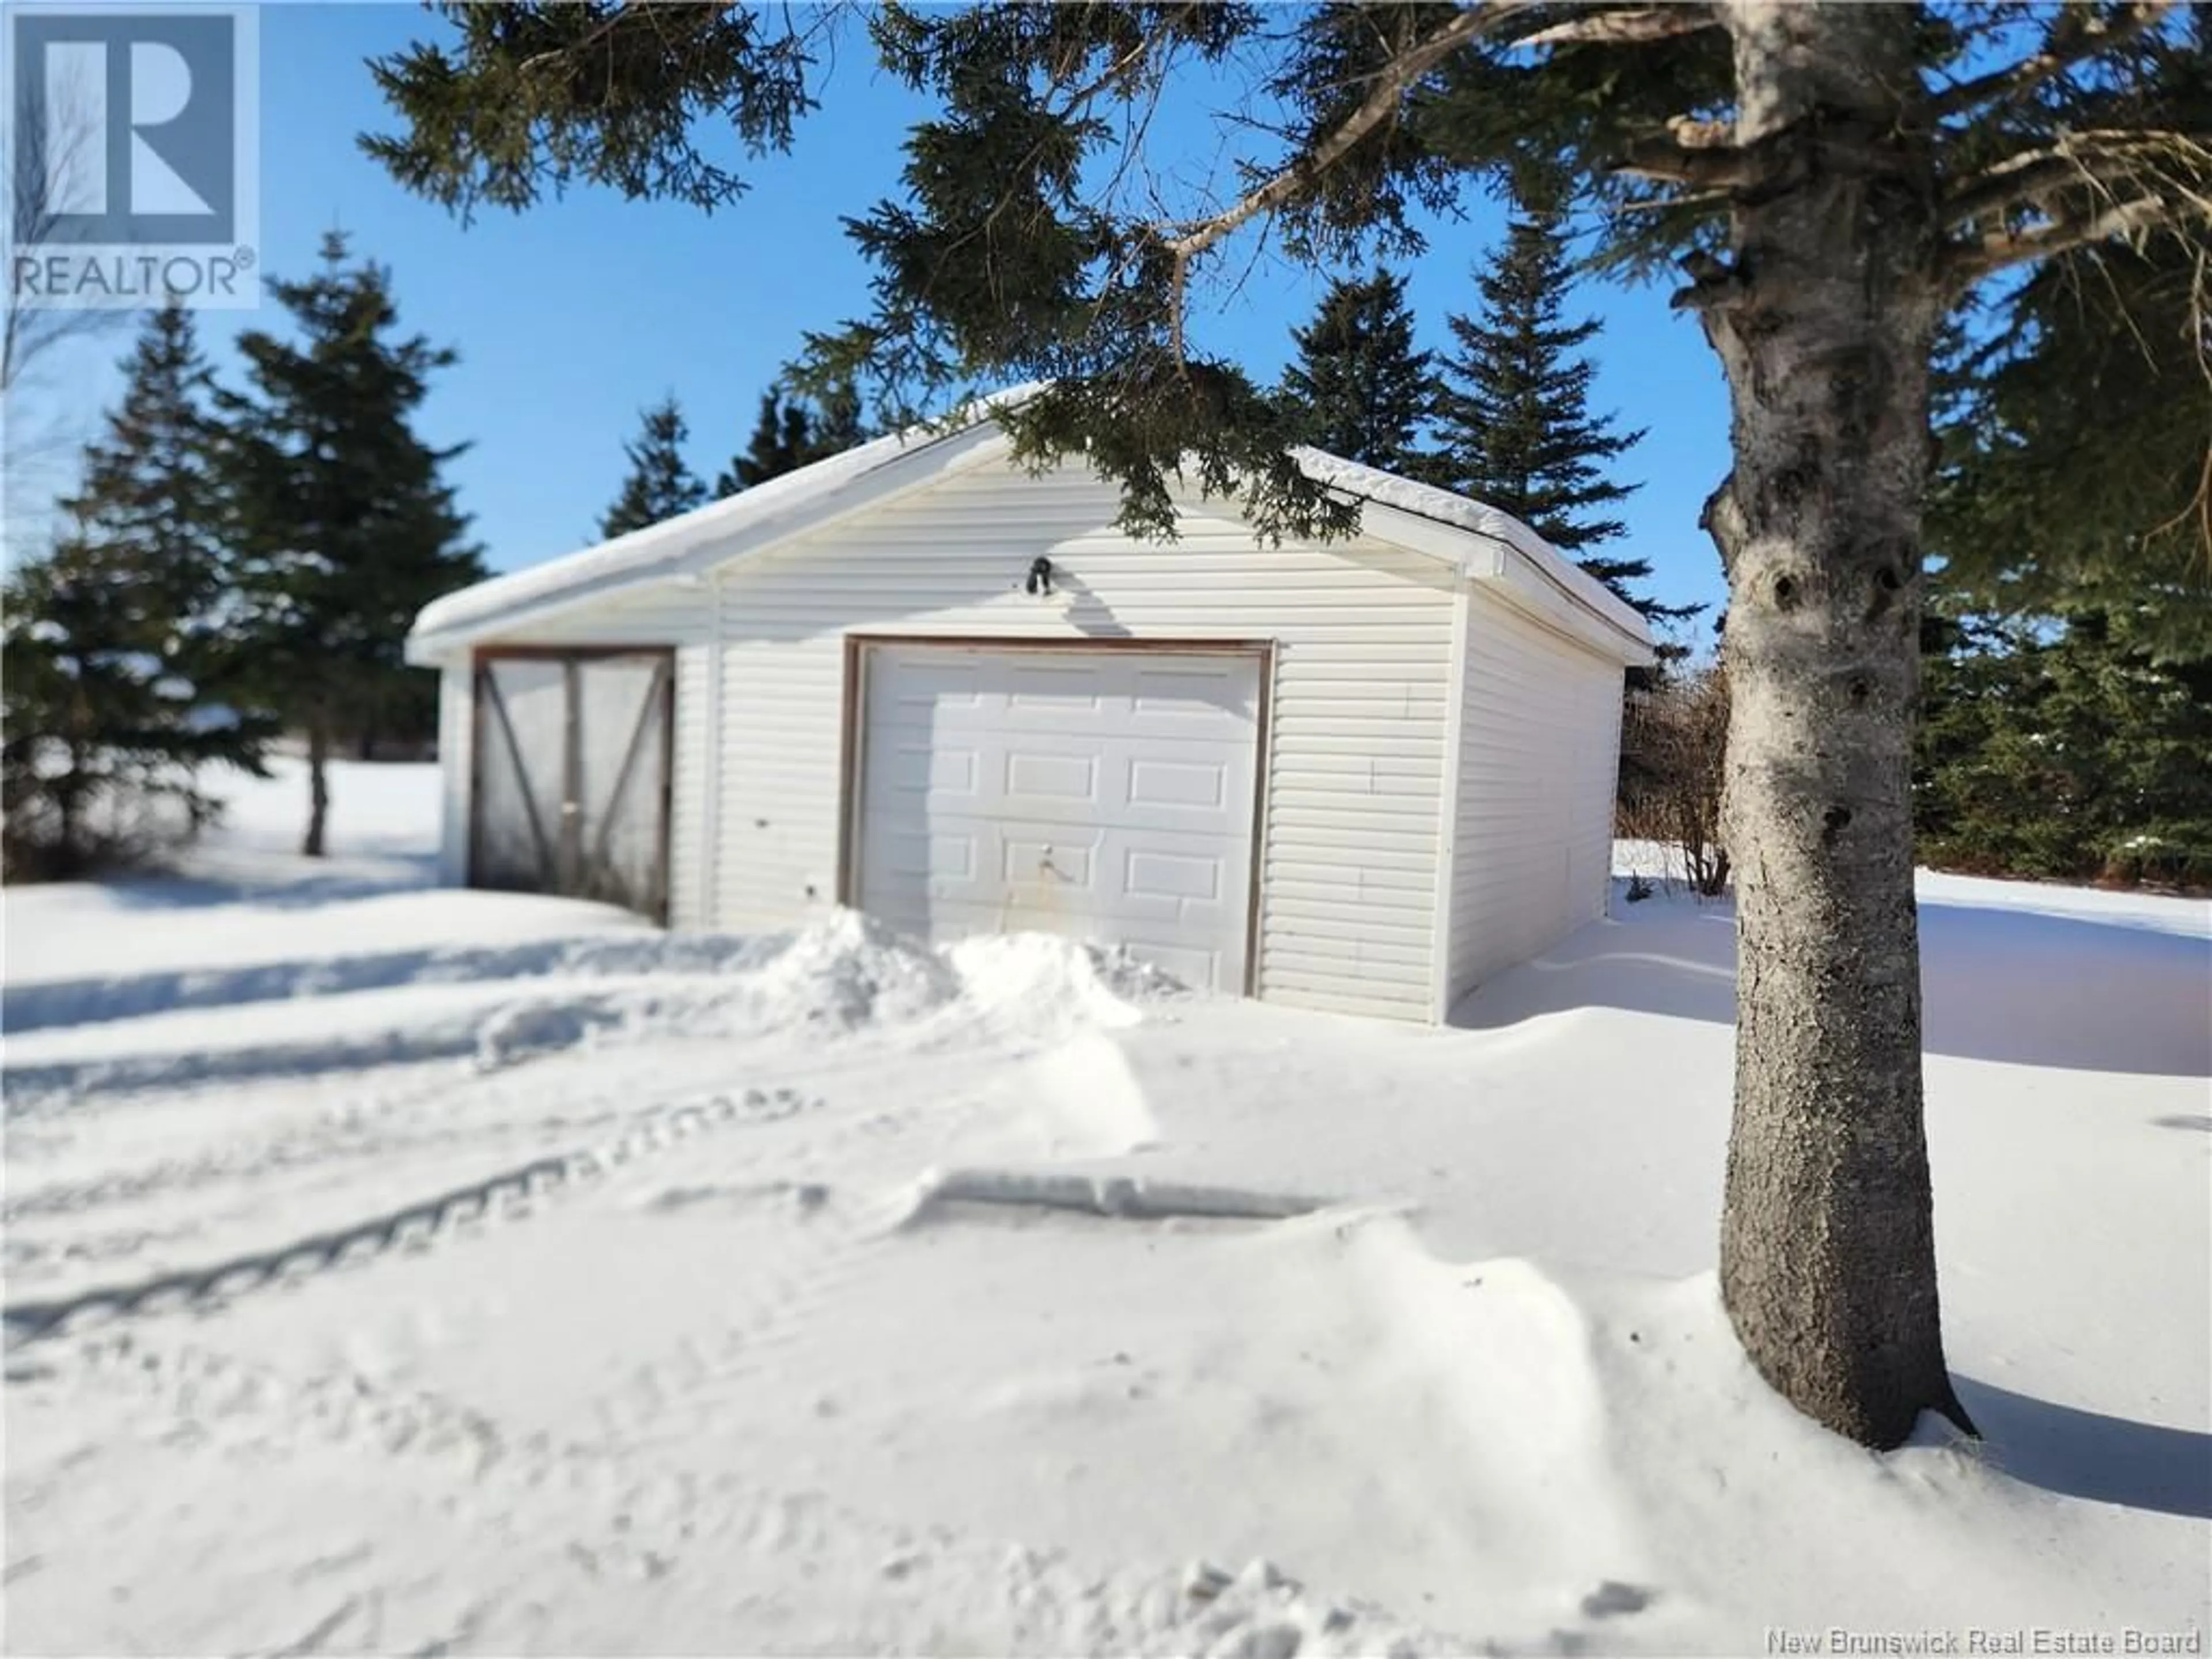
[[677, 614], [1355, 742], [1531, 857]]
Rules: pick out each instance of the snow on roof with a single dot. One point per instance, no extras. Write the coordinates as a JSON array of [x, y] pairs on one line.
[[800, 500], [668, 548], [1464, 513]]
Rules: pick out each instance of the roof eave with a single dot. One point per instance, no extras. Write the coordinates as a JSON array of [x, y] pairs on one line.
[[682, 550], [1523, 576]]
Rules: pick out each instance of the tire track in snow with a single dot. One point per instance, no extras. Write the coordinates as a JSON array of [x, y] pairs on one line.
[[55, 1004], [507, 1193], [472, 1106], [887, 1187], [623, 1508], [831, 1236], [824, 1243], [353, 1126]]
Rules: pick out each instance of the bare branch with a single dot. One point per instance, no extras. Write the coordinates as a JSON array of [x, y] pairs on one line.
[[1702, 167], [2198, 513], [1622, 29], [2074, 35], [2075, 160], [1693, 134], [57, 150], [2086, 187], [1970, 262], [1716, 284]]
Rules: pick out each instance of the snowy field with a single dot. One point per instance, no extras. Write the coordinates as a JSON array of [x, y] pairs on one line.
[[494, 1275]]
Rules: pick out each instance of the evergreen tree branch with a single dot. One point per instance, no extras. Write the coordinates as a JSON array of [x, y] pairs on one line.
[[2075, 36], [1391, 84]]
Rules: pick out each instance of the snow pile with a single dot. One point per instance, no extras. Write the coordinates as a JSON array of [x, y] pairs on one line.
[[844, 974], [502, 1004], [851, 971], [1052, 982], [1132, 979]]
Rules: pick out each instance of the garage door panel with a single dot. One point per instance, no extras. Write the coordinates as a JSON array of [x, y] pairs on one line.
[[923, 683], [930, 856], [1037, 686], [1151, 872], [916, 768], [1154, 780], [1029, 858], [1202, 792], [1220, 698], [1122, 716], [1034, 775], [1098, 797], [1067, 817]]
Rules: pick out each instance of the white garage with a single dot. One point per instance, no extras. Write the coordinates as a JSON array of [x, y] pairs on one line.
[[916, 679]]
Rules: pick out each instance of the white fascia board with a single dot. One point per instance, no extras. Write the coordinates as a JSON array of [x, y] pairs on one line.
[[1527, 579], [1536, 590]]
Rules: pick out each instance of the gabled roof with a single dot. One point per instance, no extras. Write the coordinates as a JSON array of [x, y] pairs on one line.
[[1479, 541], [788, 505], [1498, 534]]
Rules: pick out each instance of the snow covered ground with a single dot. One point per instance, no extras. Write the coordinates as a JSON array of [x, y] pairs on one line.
[[408, 1272]]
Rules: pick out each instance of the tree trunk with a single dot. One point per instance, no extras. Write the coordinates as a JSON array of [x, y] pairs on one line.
[[68, 856], [319, 784], [1827, 1247]]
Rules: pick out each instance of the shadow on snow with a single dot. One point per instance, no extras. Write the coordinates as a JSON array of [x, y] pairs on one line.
[[2085, 1454], [2019, 986]]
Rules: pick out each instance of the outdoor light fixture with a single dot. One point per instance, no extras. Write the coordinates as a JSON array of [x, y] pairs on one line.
[[1039, 585]]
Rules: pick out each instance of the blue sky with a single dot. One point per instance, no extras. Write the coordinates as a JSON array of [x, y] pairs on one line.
[[570, 317]]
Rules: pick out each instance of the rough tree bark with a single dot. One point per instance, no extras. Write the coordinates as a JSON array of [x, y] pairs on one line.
[[319, 783], [1825, 324]]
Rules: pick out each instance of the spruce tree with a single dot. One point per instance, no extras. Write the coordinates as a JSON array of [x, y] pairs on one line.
[[662, 483], [2069, 747], [792, 433], [2077, 442], [346, 527], [1514, 425], [1359, 389], [123, 666], [151, 497], [1829, 179]]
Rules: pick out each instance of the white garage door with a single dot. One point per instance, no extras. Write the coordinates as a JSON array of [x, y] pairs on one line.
[[1104, 795]]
